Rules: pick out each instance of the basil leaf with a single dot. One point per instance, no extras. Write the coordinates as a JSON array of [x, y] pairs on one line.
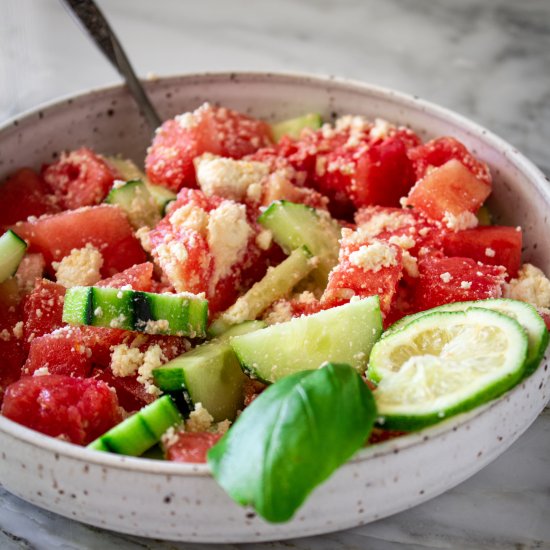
[[292, 437]]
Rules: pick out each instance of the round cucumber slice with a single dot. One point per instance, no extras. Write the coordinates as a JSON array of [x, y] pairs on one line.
[[525, 314], [444, 363]]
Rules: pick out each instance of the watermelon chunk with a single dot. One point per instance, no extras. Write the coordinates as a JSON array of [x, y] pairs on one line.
[[79, 178], [75, 409], [105, 227], [449, 193], [446, 280], [139, 277], [208, 129], [25, 194], [191, 446], [492, 245]]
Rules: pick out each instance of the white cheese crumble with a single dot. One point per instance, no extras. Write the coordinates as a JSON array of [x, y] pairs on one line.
[[466, 285], [381, 129], [403, 241], [42, 371], [226, 177], [410, 264], [374, 257], [200, 420], [228, 235], [18, 330], [464, 220], [382, 221], [531, 286], [446, 277], [80, 268], [152, 359], [264, 239], [125, 360], [489, 252], [190, 216], [160, 326], [280, 312]]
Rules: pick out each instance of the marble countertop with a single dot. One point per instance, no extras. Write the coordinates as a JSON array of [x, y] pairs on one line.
[[487, 60]]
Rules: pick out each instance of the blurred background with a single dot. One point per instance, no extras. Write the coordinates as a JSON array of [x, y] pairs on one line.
[[487, 60]]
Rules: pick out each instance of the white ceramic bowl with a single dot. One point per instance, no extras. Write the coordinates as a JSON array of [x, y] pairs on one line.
[[183, 502]]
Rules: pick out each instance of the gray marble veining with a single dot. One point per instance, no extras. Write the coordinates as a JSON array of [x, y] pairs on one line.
[[487, 60]]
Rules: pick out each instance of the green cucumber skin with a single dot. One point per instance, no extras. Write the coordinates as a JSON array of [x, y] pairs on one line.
[[140, 431], [131, 310], [294, 126], [12, 250]]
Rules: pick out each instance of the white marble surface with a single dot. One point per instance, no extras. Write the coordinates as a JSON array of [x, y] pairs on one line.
[[488, 60]]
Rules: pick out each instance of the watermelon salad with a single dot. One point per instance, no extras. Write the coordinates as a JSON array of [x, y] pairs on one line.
[[142, 310]]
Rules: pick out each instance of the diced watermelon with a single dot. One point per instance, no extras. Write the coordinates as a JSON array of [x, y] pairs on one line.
[[30, 269], [131, 393], [439, 151], [43, 309], [492, 245], [448, 192], [25, 194], [79, 178], [191, 446], [139, 277], [447, 280], [384, 174], [208, 129], [75, 409], [105, 227], [11, 348], [354, 276], [62, 352]]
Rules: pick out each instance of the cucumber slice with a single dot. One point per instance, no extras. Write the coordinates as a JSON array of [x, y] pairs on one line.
[[140, 431], [343, 334], [129, 171], [295, 225], [525, 314], [176, 314], [444, 363], [210, 374], [293, 127], [276, 284], [137, 202], [12, 250]]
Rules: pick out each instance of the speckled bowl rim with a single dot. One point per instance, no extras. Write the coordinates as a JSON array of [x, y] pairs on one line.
[[537, 178]]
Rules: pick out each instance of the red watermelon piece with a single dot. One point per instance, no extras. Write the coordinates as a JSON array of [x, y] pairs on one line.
[[106, 227], [191, 446], [492, 245], [446, 280], [75, 409], [25, 194], [79, 178], [208, 129], [139, 277]]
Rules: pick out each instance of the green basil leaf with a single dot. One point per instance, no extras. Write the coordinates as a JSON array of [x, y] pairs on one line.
[[292, 437]]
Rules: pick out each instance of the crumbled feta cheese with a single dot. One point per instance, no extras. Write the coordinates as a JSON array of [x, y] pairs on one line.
[[187, 120], [254, 192], [465, 285], [320, 165], [424, 231], [152, 359], [226, 177], [531, 286], [80, 268], [306, 297], [18, 330], [489, 252], [228, 235], [143, 235], [446, 277], [374, 257], [464, 220], [355, 123], [264, 238], [403, 241], [410, 264], [5, 335], [125, 360], [280, 312], [42, 371], [200, 420], [190, 216], [160, 326], [170, 254], [381, 129], [380, 222], [170, 437], [223, 426]]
